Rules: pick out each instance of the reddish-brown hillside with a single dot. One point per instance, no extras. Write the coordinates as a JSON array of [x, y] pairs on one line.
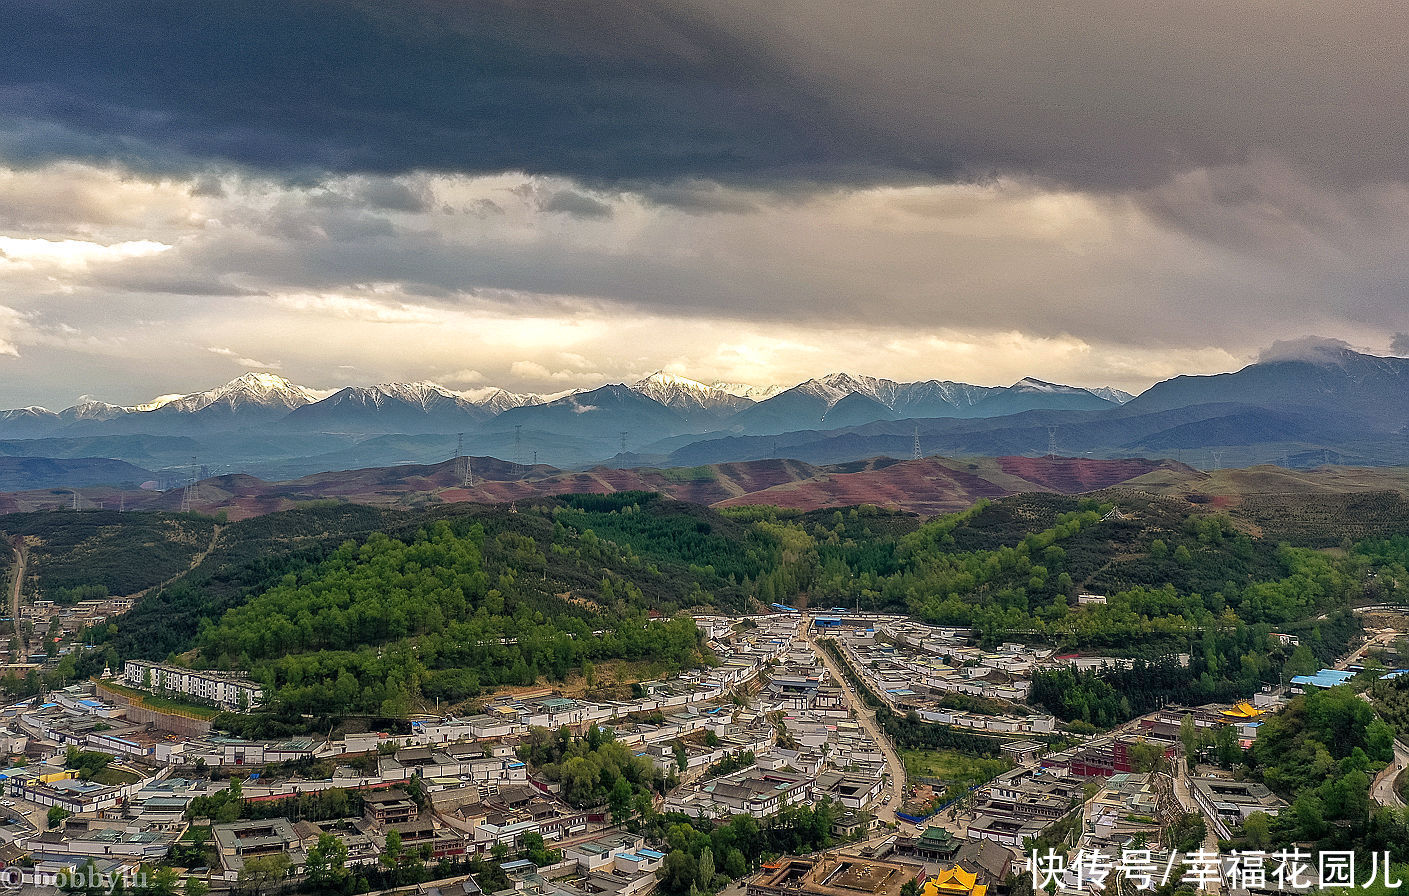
[[1072, 475], [927, 487]]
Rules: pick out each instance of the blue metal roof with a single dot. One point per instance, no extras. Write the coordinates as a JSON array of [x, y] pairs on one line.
[[1326, 678]]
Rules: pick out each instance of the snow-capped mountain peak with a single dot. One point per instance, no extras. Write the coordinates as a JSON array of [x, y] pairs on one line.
[[421, 394], [497, 401], [835, 386], [1031, 384], [1109, 393], [681, 392], [91, 409], [258, 389], [744, 390]]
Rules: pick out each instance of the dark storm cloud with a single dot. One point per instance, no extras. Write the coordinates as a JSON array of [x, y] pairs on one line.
[[1093, 92], [599, 89]]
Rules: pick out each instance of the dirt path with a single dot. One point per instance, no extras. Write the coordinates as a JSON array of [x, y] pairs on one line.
[[195, 561]]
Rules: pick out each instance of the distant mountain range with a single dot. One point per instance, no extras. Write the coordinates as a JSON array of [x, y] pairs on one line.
[[661, 404], [1326, 403]]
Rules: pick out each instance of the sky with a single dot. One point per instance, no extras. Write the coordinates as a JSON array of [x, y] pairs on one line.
[[547, 196]]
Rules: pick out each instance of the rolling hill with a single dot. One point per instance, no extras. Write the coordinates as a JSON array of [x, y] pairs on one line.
[[926, 487]]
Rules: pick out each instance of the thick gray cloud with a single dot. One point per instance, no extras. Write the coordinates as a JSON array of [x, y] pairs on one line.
[[596, 89], [1091, 92]]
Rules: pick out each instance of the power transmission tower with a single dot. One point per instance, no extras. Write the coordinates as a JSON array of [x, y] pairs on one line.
[[188, 495], [518, 449], [624, 434], [1052, 442], [1217, 459], [915, 452], [468, 478]]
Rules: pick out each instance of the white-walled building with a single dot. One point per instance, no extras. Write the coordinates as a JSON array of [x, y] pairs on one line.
[[226, 690]]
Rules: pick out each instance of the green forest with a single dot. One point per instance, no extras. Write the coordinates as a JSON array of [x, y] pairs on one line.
[[351, 610]]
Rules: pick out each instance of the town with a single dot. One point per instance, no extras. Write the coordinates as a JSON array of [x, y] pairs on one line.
[[101, 778]]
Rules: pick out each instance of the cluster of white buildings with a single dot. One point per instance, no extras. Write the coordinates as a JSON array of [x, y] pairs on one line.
[[916, 667], [467, 766], [799, 729]]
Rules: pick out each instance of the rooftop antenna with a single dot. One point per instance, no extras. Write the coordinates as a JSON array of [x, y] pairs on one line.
[[915, 452]]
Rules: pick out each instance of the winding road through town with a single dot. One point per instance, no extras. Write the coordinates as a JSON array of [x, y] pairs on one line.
[[867, 719]]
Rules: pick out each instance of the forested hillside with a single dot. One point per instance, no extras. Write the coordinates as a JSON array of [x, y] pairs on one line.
[[349, 609], [380, 626], [97, 553]]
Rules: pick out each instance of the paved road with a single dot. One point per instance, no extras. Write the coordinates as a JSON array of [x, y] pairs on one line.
[[1383, 790], [1372, 641], [21, 555], [867, 719], [1186, 800]]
